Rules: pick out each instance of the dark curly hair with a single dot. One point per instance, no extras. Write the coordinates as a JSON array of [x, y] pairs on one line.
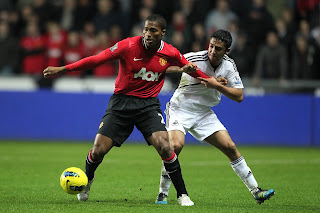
[[224, 36]]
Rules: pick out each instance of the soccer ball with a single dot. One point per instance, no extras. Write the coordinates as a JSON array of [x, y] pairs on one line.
[[73, 180]]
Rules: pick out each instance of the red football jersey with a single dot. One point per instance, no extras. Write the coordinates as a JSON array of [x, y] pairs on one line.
[[141, 70]]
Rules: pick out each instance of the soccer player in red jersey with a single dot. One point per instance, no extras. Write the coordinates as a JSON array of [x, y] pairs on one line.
[[143, 63]]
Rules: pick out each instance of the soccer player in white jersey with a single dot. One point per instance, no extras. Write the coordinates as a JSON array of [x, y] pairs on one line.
[[189, 110]]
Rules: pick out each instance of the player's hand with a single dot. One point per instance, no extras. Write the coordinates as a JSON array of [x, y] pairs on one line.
[[209, 82], [188, 68], [52, 71], [222, 80]]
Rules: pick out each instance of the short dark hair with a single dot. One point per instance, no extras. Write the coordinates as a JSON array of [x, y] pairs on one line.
[[158, 18], [224, 36]]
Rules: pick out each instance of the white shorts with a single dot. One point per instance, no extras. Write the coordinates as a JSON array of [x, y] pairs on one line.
[[200, 124]]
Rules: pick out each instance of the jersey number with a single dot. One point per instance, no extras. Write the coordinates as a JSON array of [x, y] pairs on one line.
[[162, 121], [147, 75]]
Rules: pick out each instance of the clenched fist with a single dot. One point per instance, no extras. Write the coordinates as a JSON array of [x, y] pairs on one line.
[[53, 71]]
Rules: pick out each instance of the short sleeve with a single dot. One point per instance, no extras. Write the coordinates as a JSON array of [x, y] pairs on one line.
[[234, 79]]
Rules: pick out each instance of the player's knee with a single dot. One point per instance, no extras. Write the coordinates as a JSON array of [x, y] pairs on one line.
[[178, 145], [163, 146], [165, 150], [97, 153], [230, 147]]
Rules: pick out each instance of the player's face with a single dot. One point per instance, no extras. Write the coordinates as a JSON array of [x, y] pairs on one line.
[[152, 34], [216, 51]]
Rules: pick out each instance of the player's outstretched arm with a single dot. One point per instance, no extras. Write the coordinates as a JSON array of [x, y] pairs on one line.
[[183, 61], [232, 93], [188, 68], [83, 64], [52, 71]]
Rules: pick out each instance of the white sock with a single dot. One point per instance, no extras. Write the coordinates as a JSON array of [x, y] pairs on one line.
[[240, 167], [165, 181]]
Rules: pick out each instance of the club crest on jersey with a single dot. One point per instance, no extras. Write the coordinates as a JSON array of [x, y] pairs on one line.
[[114, 47], [163, 61]]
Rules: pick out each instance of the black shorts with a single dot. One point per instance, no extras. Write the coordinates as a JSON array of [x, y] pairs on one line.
[[124, 112]]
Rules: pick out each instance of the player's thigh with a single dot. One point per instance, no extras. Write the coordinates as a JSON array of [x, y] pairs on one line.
[[152, 126], [160, 141], [151, 122], [115, 127], [223, 142], [206, 125], [219, 139], [178, 119], [102, 145]]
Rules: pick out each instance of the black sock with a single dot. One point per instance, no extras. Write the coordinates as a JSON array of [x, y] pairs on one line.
[[91, 166], [173, 168]]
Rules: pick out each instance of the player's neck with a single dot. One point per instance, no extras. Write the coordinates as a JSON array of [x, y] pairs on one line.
[[215, 64], [154, 47]]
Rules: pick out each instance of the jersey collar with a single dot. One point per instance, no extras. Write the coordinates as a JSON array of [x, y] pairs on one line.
[[145, 46]]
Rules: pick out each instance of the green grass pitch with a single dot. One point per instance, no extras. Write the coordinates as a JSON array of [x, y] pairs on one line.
[[128, 179]]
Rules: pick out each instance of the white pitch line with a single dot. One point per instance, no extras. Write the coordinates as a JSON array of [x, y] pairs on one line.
[[256, 162]]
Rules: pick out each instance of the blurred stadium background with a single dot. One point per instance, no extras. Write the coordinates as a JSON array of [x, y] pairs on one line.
[[276, 47]]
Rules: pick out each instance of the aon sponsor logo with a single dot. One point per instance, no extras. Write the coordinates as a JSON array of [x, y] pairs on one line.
[[147, 75]]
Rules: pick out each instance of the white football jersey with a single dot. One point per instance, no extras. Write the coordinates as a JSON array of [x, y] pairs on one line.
[[191, 94]]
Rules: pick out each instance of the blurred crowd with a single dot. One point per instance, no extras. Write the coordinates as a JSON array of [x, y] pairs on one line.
[[272, 39]]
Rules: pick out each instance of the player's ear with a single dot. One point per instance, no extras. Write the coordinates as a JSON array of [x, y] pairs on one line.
[[227, 51], [163, 32]]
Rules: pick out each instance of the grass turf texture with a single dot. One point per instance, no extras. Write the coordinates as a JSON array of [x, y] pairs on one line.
[[128, 178]]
